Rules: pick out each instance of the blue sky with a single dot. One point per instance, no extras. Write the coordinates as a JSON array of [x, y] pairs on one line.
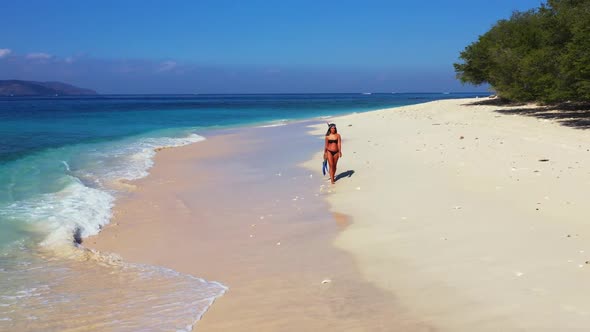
[[245, 46]]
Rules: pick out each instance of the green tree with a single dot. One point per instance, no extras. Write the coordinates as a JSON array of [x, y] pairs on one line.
[[542, 54]]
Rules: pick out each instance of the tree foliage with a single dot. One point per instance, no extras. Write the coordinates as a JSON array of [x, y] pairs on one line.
[[542, 54]]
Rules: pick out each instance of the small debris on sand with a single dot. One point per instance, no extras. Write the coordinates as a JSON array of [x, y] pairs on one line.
[[326, 281]]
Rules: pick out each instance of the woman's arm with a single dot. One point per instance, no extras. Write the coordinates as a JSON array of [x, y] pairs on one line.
[[340, 145], [326, 144]]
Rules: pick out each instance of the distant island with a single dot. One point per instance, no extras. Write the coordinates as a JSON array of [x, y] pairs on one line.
[[31, 88]]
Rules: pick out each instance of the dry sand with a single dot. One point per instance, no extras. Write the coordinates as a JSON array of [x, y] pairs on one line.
[[476, 220]]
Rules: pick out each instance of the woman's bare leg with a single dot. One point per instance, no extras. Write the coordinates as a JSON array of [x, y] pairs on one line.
[[332, 165], [333, 168]]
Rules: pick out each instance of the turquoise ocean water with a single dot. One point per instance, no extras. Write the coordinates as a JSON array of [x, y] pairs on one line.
[[58, 159]]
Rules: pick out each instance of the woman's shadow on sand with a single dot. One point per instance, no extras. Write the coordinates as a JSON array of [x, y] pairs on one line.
[[346, 174]]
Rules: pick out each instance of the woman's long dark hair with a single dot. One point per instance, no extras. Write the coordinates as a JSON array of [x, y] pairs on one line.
[[330, 127]]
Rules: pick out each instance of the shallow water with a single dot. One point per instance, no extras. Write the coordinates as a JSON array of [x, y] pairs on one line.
[[80, 290]]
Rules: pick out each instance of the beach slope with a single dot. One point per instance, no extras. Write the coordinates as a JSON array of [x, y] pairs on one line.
[[475, 217]]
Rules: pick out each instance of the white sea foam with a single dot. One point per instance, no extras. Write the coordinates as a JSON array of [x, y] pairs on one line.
[[75, 211], [131, 160], [278, 123], [67, 166], [273, 125], [205, 293]]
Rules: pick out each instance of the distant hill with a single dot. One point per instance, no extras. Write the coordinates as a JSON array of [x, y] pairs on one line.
[[31, 88]]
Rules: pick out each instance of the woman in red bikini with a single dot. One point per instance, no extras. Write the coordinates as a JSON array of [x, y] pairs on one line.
[[333, 149]]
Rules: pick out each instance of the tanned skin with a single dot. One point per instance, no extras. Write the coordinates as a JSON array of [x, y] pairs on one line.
[[332, 135]]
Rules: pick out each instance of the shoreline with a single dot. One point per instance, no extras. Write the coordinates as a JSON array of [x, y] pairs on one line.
[[268, 236], [456, 217]]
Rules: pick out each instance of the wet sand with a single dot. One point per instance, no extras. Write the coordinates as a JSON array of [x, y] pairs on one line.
[[238, 209]]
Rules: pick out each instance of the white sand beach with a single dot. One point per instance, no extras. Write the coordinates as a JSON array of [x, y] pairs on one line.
[[475, 219]]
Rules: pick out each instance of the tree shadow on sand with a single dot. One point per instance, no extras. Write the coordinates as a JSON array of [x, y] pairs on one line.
[[348, 174], [574, 115]]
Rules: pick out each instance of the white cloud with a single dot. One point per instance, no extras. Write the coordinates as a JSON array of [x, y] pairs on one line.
[[4, 52], [167, 65], [38, 56]]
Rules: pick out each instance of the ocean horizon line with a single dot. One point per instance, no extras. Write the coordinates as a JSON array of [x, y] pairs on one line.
[[103, 95]]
